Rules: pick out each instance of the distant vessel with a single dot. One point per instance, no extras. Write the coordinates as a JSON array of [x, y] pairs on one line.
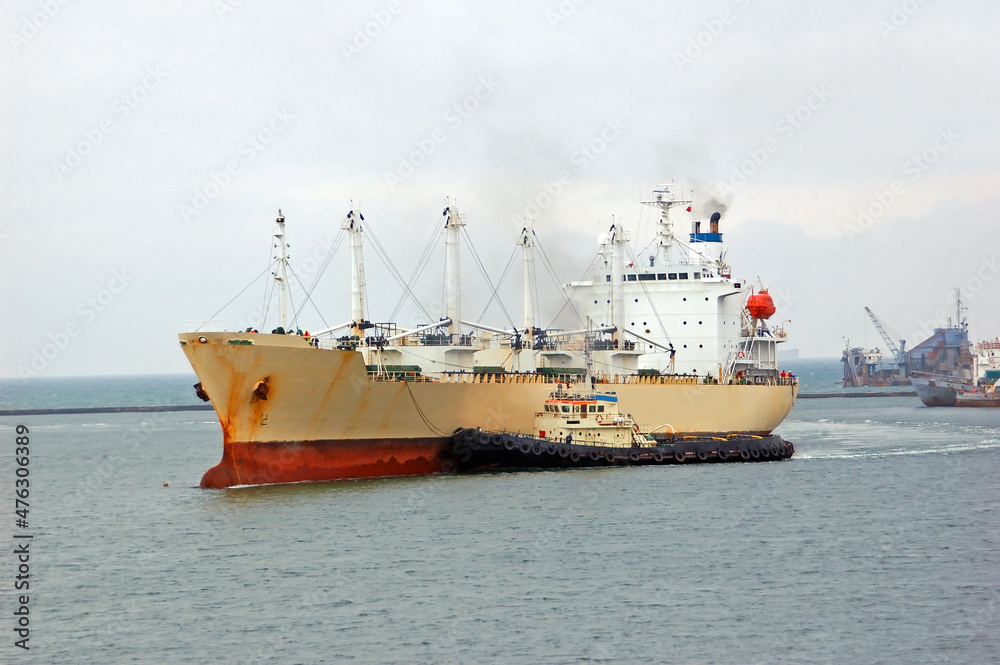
[[943, 364], [987, 371], [985, 395], [668, 334], [938, 390], [988, 361], [868, 367]]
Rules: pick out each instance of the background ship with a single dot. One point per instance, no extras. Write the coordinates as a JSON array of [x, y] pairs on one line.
[[940, 367], [686, 350], [869, 367], [943, 364]]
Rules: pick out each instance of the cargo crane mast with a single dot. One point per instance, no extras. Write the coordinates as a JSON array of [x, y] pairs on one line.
[[897, 351], [281, 275], [354, 225]]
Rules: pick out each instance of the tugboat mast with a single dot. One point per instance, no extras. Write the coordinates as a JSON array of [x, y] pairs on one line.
[[281, 274]]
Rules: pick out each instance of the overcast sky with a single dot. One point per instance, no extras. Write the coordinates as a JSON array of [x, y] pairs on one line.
[[148, 147]]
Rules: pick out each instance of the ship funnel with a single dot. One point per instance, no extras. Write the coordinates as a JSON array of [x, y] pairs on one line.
[[715, 222], [697, 227]]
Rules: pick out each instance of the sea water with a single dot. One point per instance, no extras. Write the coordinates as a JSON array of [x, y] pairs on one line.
[[877, 543]]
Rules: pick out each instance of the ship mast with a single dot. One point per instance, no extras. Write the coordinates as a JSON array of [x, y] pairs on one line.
[[527, 242], [353, 224], [664, 199], [618, 240], [281, 274], [453, 270], [959, 322]]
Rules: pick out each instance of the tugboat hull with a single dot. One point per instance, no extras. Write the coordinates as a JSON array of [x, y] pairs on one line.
[[479, 450]]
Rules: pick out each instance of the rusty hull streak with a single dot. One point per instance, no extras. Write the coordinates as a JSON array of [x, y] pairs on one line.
[[330, 388]]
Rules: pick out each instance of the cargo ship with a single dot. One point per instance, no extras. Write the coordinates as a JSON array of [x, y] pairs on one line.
[[944, 364], [685, 349]]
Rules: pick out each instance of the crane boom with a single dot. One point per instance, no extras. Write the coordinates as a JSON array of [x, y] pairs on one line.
[[893, 348]]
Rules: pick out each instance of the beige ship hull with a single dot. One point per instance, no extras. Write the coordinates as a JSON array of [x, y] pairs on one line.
[[295, 412]]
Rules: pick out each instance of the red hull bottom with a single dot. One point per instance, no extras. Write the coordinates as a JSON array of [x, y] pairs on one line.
[[252, 463]]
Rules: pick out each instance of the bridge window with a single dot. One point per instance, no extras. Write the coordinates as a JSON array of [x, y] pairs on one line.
[[646, 277], [673, 275], [683, 275], [630, 278], [661, 275]]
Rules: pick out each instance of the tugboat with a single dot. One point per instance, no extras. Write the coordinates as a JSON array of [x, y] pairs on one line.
[[588, 430], [591, 419]]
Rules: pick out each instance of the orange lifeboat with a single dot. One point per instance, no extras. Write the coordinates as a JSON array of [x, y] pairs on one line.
[[760, 305]]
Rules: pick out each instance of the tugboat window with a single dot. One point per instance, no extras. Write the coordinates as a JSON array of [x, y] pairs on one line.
[[565, 409], [600, 408]]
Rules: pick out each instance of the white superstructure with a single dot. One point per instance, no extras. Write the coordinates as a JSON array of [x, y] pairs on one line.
[[680, 296]]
